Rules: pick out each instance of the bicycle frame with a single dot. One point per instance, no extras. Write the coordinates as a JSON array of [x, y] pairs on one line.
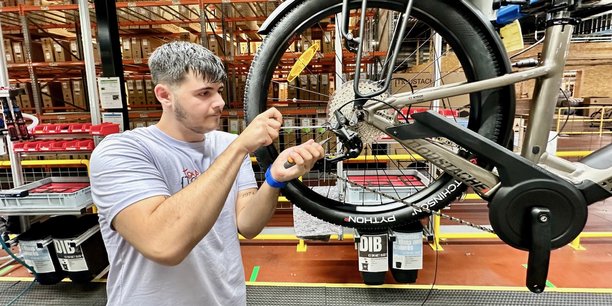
[[536, 202], [548, 77]]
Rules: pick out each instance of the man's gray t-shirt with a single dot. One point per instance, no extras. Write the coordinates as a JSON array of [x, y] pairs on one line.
[[145, 162]]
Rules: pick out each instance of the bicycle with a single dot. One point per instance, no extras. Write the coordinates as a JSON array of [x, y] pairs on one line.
[[537, 202]]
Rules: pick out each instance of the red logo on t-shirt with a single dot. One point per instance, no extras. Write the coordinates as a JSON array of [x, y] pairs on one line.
[[188, 177]]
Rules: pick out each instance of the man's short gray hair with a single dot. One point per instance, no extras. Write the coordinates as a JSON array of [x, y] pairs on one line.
[[171, 62]]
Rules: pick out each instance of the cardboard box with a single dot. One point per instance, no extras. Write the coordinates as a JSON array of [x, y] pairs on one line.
[[282, 92], [292, 91], [523, 106], [67, 92], [18, 54], [314, 87], [253, 47], [74, 50], [302, 81], [131, 91], [306, 41], [96, 52], [244, 48], [140, 94], [597, 101], [8, 50], [328, 42], [52, 95], [324, 86], [213, 45], [149, 94], [155, 43], [36, 52], [59, 50], [136, 48], [241, 86], [287, 131], [146, 14], [47, 46], [307, 132], [78, 96], [146, 47], [126, 48], [26, 98], [594, 104]]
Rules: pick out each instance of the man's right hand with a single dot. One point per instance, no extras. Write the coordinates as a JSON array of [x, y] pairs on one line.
[[262, 131]]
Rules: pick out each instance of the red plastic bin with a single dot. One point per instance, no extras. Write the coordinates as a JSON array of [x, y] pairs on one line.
[[70, 145], [104, 129], [85, 145], [39, 129], [18, 146], [51, 146], [31, 146], [76, 128]]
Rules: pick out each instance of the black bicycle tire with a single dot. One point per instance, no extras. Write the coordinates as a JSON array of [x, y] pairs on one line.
[[490, 114]]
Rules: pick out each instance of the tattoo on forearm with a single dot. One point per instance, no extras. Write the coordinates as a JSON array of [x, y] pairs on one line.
[[248, 194]]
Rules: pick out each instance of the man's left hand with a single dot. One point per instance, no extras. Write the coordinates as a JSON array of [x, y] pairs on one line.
[[303, 157]]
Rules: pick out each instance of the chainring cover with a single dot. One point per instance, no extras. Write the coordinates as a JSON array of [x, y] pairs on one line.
[[510, 208]]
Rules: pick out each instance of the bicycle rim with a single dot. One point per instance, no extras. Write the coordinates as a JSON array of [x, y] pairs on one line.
[[402, 180]]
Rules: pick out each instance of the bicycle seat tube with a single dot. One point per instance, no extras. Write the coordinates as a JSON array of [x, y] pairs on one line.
[[554, 54]]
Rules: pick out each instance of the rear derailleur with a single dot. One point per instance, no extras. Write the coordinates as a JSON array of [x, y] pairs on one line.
[[348, 140]]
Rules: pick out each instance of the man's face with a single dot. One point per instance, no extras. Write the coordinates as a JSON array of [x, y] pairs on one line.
[[197, 104]]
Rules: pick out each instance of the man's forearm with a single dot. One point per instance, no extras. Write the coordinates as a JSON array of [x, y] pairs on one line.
[[254, 216]]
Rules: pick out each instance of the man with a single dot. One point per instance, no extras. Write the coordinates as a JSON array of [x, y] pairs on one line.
[[173, 197]]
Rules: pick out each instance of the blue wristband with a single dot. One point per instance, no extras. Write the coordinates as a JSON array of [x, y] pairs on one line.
[[272, 182]]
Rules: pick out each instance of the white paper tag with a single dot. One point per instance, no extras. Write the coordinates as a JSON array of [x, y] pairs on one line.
[[373, 253], [37, 258], [408, 251]]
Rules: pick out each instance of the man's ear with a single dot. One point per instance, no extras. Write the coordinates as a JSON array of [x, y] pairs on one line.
[[163, 94]]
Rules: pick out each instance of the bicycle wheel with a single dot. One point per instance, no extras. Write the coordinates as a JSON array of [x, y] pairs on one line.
[[382, 187]]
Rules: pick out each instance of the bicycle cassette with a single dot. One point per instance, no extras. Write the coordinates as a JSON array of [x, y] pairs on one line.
[[342, 100]]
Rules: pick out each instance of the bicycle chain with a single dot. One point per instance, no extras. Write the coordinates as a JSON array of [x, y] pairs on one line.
[[424, 209]]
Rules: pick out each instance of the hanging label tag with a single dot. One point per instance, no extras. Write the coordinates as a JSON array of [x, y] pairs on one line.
[[512, 36], [373, 253], [408, 251], [70, 256], [38, 258]]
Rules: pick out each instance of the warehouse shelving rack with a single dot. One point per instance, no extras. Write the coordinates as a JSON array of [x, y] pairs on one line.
[[227, 24]]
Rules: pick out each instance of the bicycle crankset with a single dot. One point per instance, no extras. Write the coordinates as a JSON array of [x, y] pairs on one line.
[[531, 209]]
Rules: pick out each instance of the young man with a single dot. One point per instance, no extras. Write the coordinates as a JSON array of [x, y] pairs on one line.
[[173, 197]]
